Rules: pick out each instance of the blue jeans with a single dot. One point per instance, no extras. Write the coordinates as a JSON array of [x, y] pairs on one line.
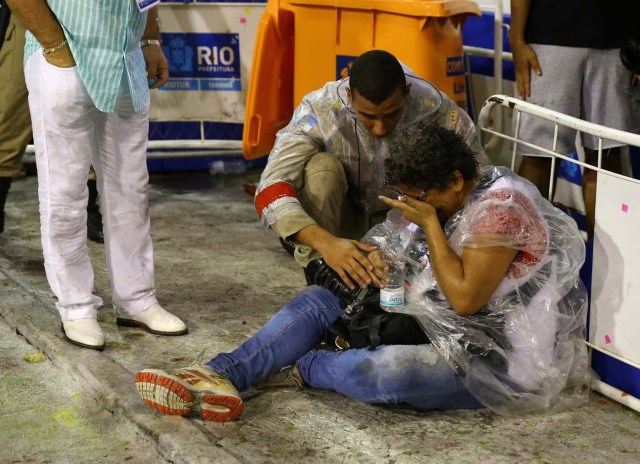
[[413, 374]]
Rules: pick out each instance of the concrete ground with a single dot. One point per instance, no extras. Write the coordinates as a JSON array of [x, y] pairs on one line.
[[218, 270], [45, 417]]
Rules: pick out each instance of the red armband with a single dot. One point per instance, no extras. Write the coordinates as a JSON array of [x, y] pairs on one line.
[[273, 193]]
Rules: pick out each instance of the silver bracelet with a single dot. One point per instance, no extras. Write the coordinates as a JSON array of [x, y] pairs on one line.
[[145, 42], [60, 46]]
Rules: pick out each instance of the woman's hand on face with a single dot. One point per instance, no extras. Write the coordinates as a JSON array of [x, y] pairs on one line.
[[416, 211]]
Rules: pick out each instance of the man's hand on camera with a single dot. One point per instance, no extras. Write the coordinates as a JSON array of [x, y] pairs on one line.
[[349, 259]]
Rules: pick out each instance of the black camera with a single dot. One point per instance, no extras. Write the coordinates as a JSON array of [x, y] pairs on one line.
[[319, 273]]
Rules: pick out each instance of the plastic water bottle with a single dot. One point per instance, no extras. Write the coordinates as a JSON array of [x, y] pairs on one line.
[[228, 166], [392, 295]]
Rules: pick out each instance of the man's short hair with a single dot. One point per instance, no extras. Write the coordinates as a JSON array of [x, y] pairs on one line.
[[425, 155], [375, 75]]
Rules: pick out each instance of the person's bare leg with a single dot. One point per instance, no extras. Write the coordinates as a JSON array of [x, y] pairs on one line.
[[537, 170], [612, 161]]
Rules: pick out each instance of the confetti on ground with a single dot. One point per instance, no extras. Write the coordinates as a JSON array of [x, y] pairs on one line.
[[37, 357]]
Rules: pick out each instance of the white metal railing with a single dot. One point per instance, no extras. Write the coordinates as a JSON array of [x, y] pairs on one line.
[[558, 119], [488, 53], [158, 149], [496, 102]]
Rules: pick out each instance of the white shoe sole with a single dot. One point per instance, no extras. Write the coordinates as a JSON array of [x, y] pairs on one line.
[[133, 323], [169, 394]]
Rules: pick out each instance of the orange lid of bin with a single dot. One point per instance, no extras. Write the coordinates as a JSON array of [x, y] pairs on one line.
[[422, 8]]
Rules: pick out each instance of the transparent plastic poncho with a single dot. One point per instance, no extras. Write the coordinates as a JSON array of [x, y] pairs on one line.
[[524, 351]]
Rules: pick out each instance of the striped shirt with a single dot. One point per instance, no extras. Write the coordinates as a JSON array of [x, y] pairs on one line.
[[104, 38]]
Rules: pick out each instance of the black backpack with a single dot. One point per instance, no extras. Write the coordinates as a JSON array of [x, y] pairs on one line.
[[369, 326]]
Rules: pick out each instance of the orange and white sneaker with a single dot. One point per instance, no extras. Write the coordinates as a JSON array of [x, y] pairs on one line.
[[195, 388]]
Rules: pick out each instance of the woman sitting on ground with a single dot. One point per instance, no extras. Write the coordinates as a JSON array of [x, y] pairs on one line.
[[498, 296]]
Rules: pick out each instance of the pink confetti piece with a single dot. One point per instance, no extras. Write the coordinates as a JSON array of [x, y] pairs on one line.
[[625, 208], [607, 339], [243, 21]]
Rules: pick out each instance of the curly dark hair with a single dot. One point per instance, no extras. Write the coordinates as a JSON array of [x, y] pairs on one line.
[[425, 156], [375, 75]]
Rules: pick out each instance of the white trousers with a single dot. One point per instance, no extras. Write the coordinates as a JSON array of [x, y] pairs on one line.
[[69, 134]]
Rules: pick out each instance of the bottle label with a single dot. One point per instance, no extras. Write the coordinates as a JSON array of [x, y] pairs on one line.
[[392, 298]]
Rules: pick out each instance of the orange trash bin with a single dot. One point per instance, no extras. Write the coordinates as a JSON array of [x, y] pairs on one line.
[[302, 44]]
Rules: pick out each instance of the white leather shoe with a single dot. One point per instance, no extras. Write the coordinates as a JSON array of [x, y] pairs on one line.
[[156, 320], [84, 332]]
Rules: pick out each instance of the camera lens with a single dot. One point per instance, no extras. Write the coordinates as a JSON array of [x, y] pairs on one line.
[[319, 273]]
